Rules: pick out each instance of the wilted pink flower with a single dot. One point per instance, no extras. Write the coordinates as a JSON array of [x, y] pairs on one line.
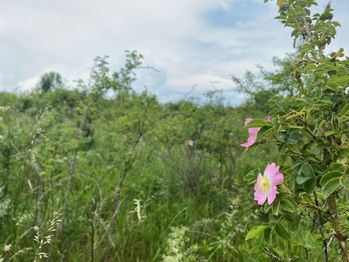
[[252, 134], [265, 187]]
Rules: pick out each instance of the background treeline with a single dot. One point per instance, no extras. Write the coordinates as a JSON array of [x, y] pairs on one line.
[[102, 173]]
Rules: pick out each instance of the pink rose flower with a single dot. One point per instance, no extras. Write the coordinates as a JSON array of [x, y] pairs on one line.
[[252, 134], [265, 187]]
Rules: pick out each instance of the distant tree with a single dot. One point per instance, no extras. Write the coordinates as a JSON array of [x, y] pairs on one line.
[[50, 81]]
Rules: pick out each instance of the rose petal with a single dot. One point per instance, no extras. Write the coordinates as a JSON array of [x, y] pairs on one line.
[[260, 196], [272, 171], [272, 195], [258, 182], [252, 137], [278, 179]]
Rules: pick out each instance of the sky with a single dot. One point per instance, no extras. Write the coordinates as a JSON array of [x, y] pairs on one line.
[[194, 45]]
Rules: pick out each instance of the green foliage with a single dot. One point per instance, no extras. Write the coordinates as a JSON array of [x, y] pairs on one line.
[[88, 176], [50, 81], [102, 173], [309, 127]]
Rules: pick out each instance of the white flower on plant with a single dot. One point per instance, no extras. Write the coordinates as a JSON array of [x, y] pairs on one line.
[[7, 248]]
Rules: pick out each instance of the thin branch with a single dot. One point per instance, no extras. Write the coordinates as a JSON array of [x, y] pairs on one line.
[[321, 229]]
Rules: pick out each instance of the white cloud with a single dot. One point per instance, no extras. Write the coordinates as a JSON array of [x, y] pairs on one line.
[[28, 84], [174, 36]]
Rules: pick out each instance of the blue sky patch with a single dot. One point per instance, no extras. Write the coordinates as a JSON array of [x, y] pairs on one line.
[[238, 12]]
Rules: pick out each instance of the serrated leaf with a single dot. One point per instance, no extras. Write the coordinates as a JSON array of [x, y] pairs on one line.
[[281, 231], [251, 176], [291, 217], [276, 208], [288, 205], [328, 176], [306, 173], [256, 232], [331, 186]]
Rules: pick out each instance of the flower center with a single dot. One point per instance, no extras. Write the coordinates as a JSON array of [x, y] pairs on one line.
[[265, 184]]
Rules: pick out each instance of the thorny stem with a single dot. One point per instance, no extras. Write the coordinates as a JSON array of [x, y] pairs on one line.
[[337, 227]]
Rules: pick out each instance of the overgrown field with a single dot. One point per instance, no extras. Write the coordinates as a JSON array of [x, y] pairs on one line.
[[98, 172]]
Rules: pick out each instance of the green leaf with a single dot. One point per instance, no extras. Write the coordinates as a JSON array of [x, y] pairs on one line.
[[339, 80], [329, 133], [295, 114], [328, 176], [282, 232], [294, 137], [251, 176], [306, 173], [336, 167], [256, 232], [276, 208], [288, 206], [344, 110], [310, 185], [335, 122], [258, 123], [267, 208], [344, 180], [307, 170], [296, 127], [302, 179], [267, 234], [263, 131], [331, 186]]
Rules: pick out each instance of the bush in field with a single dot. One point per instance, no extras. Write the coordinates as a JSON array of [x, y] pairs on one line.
[[310, 129], [88, 176]]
